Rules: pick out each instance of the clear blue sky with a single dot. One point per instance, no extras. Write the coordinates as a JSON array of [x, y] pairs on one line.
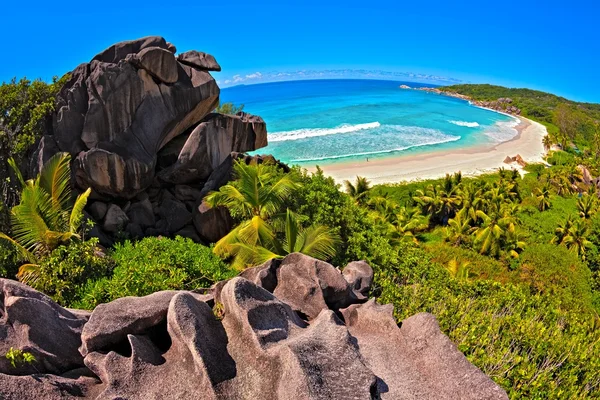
[[547, 45]]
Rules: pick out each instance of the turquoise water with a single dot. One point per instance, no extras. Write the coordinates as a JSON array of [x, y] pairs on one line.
[[327, 121]]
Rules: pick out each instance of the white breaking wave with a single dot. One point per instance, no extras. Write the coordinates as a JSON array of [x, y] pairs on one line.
[[465, 123], [432, 137], [503, 131], [315, 132]]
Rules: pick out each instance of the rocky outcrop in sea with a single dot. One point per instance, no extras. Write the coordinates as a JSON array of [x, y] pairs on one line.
[[296, 328], [139, 124]]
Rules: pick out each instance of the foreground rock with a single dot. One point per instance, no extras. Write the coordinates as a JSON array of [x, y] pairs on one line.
[[296, 328], [137, 121]]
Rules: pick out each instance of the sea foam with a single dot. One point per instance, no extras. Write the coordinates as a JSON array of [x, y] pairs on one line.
[[465, 123], [414, 136], [502, 131], [315, 132]]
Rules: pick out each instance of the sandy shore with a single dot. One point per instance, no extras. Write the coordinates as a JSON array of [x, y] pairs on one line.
[[470, 161]]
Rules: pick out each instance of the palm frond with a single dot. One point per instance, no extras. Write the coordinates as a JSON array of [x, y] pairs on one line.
[[29, 273], [17, 171], [317, 241], [55, 179], [25, 254], [77, 211]]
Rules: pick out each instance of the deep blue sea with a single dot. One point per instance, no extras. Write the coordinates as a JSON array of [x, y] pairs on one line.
[[325, 121]]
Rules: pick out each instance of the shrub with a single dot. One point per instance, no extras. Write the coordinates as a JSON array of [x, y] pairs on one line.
[[523, 341], [65, 272], [9, 261], [560, 157], [557, 272], [154, 264], [25, 107]]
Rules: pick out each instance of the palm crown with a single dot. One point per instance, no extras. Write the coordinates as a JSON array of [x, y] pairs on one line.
[[45, 217]]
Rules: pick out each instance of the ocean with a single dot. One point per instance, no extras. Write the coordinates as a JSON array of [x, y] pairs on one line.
[[318, 122]]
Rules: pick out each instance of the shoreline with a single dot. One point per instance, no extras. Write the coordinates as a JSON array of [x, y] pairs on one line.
[[471, 161]]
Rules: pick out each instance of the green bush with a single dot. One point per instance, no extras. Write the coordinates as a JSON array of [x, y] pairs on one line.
[[561, 158], [65, 272], [557, 272], [25, 107], [155, 264], [9, 261], [524, 342]]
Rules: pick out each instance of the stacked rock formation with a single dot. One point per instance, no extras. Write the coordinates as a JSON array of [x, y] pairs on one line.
[[138, 122], [296, 328]]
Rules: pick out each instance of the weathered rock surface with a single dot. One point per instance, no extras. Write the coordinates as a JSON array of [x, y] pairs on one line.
[[249, 337], [138, 120], [211, 142], [200, 60], [32, 322]]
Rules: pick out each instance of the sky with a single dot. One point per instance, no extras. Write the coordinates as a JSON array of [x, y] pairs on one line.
[[546, 45]]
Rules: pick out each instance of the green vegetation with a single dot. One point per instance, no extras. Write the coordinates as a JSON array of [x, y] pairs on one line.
[[155, 264], [509, 265], [64, 273], [25, 108], [266, 229], [229, 108], [18, 357], [567, 121], [45, 217]]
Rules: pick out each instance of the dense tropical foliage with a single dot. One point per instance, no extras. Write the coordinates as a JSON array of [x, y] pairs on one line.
[[45, 218], [266, 229]]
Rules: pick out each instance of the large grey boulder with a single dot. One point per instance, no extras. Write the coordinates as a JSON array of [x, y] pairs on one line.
[[309, 285], [212, 223], [119, 110], [136, 113], [159, 63], [110, 323], [115, 219]]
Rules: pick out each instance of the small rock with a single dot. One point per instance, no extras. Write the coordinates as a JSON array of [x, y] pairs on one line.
[[115, 219], [98, 210], [174, 213], [212, 223]]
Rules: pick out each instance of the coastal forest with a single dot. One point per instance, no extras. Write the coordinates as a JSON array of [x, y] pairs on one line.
[[508, 262]]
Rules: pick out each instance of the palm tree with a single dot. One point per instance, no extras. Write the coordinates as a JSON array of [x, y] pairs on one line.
[[404, 223], [562, 230], [587, 205], [458, 270], [547, 141], [439, 202], [543, 197], [253, 245], [360, 189], [257, 196], [258, 191], [45, 217], [497, 232], [576, 238], [513, 243], [562, 184], [459, 228]]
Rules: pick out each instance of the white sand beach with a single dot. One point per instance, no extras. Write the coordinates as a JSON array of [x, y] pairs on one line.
[[470, 161]]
